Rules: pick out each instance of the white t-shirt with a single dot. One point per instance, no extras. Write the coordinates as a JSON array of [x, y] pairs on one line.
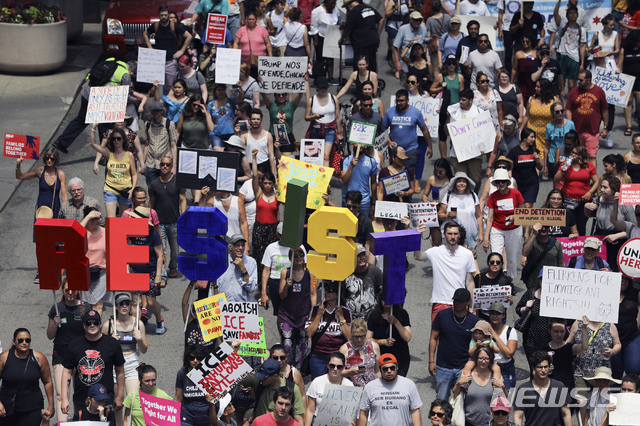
[[449, 271], [466, 213], [499, 357], [390, 404], [316, 389], [276, 257], [320, 19], [569, 44], [480, 8], [487, 62], [583, 19]]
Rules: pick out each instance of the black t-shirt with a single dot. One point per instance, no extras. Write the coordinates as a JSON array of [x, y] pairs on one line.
[[70, 326], [563, 231], [365, 229], [524, 165], [84, 415], [380, 328], [93, 363], [362, 26], [551, 71], [362, 290], [562, 360], [538, 412], [165, 40], [167, 199], [627, 326], [531, 26], [195, 407], [151, 240], [455, 335]]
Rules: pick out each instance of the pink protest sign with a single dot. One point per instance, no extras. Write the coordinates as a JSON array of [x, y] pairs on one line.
[[571, 248], [159, 411], [629, 194]]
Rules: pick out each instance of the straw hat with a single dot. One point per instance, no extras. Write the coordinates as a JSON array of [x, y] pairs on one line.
[[603, 373]]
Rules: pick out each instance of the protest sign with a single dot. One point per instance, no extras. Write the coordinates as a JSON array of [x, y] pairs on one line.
[[107, 104], [82, 423], [424, 214], [395, 183], [472, 136], [380, 144], [240, 321], [391, 210], [216, 28], [200, 167], [312, 151], [617, 87], [339, 405], [219, 372], [483, 297], [430, 109], [208, 313], [546, 217], [282, 74], [228, 65], [487, 26], [151, 65], [331, 47], [318, 178], [629, 194], [629, 258], [255, 348], [362, 133], [159, 411], [280, 134], [571, 248], [21, 146], [627, 410], [571, 293]]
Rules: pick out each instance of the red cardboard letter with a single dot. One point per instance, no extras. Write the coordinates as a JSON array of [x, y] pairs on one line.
[[120, 254]]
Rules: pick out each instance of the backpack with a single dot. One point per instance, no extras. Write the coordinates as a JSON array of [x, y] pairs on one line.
[[574, 260], [289, 383], [102, 72], [167, 123], [564, 30]]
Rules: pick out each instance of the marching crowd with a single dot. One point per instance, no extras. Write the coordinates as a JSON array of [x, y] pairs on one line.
[[549, 118]]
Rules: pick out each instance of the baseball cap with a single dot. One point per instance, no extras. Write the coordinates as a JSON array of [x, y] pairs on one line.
[[497, 307], [91, 315], [331, 286], [224, 403], [387, 359], [268, 368], [360, 249], [592, 243], [455, 20], [451, 58], [157, 106], [236, 238], [98, 392], [501, 404], [416, 15], [323, 82], [462, 295], [544, 47]]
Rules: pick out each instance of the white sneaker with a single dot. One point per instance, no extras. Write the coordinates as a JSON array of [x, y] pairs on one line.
[[609, 141]]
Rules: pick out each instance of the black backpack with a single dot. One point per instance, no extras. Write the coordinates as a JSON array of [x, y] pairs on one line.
[[102, 72]]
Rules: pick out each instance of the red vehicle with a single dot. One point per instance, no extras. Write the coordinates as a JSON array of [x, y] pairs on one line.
[[127, 19]]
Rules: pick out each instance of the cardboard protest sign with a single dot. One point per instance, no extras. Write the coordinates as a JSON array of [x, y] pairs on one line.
[[209, 318], [216, 28], [472, 136], [362, 133], [483, 297], [219, 372], [312, 151], [391, 210], [571, 293], [331, 47], [339, 405], [318, 178], [629, 258], [629, 194], [151, 65], [107, 104], [424, 214], [546, 217], [21, 146], [159, 411], [430, 109], [202, 167], [395, 183], [255, 349], [228, 65], [282, 74], [617, 87], [381, 145], [571, 248], [627, 410], [240, 321]]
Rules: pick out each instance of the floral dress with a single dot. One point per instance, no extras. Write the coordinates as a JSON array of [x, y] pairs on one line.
[[593, 358], [354, 359], [539, 117], [490, 105]]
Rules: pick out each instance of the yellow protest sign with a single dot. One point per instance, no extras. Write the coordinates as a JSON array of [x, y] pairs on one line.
[[318, 178], [255, 349], [208, 312]]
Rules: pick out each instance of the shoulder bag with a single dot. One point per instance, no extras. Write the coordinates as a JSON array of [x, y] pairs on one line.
[[305, 367]]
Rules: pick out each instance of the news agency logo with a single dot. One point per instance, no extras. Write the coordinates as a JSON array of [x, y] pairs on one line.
[[557, 397]]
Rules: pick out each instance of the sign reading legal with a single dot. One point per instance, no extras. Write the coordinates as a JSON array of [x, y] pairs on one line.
[[391, 210]]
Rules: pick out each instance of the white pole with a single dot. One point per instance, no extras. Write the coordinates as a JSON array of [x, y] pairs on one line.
[[55, 303], [138, 308], [391, 325], [115, 312]]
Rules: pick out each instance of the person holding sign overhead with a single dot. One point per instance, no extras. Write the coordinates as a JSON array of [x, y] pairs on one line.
[[395, 172]]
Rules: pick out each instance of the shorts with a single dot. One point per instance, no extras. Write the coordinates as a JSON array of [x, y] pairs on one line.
[[110, 197], [529, 190], [570, 68], [590, 142], [131, 362], [154, 291], [329, 136]]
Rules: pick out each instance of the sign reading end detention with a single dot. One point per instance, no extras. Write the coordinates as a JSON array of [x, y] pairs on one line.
[[545, 217]]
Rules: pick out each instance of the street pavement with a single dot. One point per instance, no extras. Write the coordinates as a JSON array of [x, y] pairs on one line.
[[43, 105]]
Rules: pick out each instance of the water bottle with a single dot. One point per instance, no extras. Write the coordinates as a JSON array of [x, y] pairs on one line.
[[567, 164]]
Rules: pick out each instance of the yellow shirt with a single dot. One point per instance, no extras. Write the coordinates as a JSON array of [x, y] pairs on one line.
[[118, 174]]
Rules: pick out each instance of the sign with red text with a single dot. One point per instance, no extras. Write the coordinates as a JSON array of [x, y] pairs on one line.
[[219, 372], [395, 183], [629, 258], [216, 28], [240, 321], [629, 194], [158, 411], [545, 217], [424, 214], [574, 247], [21, 146], [483, 297], [107, 104], [473, 136], [209, 318]]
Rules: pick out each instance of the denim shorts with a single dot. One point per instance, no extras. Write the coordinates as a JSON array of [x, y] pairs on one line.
[[110, 197]]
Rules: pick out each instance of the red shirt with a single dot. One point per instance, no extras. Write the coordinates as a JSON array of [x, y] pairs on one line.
[[586, 108], [576, 184], [504, 205]]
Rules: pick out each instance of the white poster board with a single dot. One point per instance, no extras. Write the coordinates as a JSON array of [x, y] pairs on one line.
[[151, 65], [240, 321], [395, 183], [331, 47], [571, 293], [485, 296], [107, 104], [282, 74], [617, 87], [312, 151], [228, 65], [487, 24], [424, 214], [430, 109], [391, 210], [472, 136], [339, 405], [362, 133], [627, 410], [381, 145]]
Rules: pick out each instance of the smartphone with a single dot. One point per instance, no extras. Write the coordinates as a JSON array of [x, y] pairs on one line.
[[361, 367]]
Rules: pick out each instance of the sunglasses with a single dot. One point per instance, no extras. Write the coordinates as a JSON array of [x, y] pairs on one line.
[[495, 262], [412, 82], [367, 105], [21, 340], [191, 357], [125, 303], [279, 358], [92, 323], [501, 413], [559, 110], [483, 41], [335, 366], [67, 291], [450, 63], [483, 81], [48, 158], [389, 368], [165, 164], [298, 256], [353, 206], [116, 138], [433, 413], [501, 166]]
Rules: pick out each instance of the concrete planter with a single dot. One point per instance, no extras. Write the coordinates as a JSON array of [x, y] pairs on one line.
[[74, 11], [32, 49]]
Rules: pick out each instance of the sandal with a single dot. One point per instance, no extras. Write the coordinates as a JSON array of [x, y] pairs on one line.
[[628, 131], [163, 284]]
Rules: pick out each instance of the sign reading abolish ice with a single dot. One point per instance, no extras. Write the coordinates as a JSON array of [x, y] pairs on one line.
[[339, 405], [240, 321], [571, 293], [219, 371], [430, 109], [473, 136], [280, 74], [617, 87], [158, 411], [107, 104], [150, 65]]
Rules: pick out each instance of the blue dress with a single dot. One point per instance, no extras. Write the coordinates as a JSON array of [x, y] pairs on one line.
[[47, 196], [174, 108]]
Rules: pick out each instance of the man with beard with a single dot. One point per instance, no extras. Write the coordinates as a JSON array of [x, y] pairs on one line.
[[390, 399], [260, 139], [74, 207], [363, 286]]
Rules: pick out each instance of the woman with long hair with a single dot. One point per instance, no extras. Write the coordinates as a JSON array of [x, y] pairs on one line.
[[276, 18], [289, 372], [449, 79], [614, 166], [133, 140], [488, 99], [323, 115], [397, 156], [440, 413], [196, 410], [223, 113], [267, 217], [538, 113], [383, 319], [493, 275], [511, 96], [175, 100], [525, 171], [555, 200], [367, 90], [554, 135], [632, 159], [249, 86], [416, 59], [441, 176], [524, 64]]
